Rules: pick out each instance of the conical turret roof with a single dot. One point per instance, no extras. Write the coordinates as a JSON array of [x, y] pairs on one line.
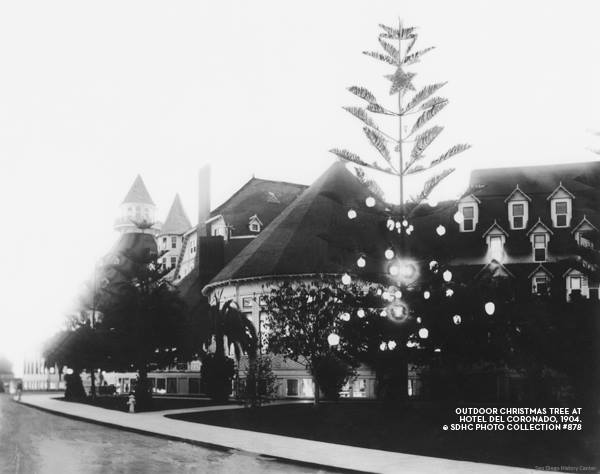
[[138, 193], [177, 221]]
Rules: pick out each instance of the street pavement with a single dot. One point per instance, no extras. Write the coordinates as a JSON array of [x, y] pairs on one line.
[[34, 441], [282, 447]]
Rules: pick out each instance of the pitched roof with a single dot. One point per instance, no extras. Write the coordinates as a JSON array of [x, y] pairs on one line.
[[313, 235], [261, 197], [177, 221], [138, 193]]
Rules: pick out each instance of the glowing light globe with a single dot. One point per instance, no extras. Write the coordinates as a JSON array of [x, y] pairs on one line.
[[423, 333], [426, 295], [345, 317], [361, 262], [360, 313], [382, 346], [352, 214], [447, 275], [346, 279], [419, 320], [383, 313], [389, 254], [390, 224], [432, 202], [459, 218], [399, 311], [333, 339], [391, 345], [441, 230], [449, 292], [437, 349], [456, 319], [370, 201], [490, 308], [405, 223], [433, 264], [398, 294], [394, 270]]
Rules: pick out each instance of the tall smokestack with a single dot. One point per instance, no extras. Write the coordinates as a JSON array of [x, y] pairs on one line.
[[203, 205]]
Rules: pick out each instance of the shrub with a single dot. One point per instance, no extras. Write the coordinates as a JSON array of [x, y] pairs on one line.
[[331, 373], [260, 382], [216, 375], [74, 387], [142, 389]]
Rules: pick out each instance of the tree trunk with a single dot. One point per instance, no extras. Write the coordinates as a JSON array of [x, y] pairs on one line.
[[93, 383], [317, 391]]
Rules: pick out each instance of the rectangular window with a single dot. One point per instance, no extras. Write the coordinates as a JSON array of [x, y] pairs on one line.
[[518, 211], [496, 247], [560, 208], [541, 285], [160, 384], [468, 213], [173, 261], [171, 385], [576, 283], [292, 387], [173, 242], [539, 247]]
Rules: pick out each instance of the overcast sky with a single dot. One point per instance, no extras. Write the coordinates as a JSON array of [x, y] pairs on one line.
[[93, 93]]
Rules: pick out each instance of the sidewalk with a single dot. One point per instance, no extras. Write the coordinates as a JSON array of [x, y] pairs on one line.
[[293, 449]]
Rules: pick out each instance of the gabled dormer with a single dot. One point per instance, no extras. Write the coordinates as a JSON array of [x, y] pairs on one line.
[[254, 224], [540, 281], [561, 206], [539, 236], [581, 231], [518, 209], [495, 238], [468, 206]]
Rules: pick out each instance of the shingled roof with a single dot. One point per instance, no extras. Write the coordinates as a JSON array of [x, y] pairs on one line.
[[261, 197], [177, 221], [313, 235], [491, 187], [138, 193]]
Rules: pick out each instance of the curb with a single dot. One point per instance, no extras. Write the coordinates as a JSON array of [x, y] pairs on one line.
[[202, 444]]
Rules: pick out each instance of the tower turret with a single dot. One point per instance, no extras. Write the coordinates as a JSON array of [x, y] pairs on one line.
[[137, 211]]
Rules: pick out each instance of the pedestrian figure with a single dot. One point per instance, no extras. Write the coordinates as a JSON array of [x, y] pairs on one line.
[[131, 403], [19, 390]]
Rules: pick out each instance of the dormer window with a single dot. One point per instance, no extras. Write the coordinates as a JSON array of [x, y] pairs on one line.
[[468, 206], [561, 212], [495, 238], [469, 218], [583, 233], [540, 247], [540, 281], [518, 209], [254, 224], [561, 207], [496, 247], [576, 284], [539, 236]]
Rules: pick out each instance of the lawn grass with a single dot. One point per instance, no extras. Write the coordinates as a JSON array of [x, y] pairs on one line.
[[415, 429], [119, 403]]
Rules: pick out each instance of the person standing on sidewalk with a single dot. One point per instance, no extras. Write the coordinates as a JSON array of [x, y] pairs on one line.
[[19, 390]]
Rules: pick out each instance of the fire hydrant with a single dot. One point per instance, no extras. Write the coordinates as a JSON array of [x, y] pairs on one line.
[[131, 403]]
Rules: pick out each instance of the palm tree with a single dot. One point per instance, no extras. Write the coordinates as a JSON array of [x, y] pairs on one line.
[[227, 322]]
